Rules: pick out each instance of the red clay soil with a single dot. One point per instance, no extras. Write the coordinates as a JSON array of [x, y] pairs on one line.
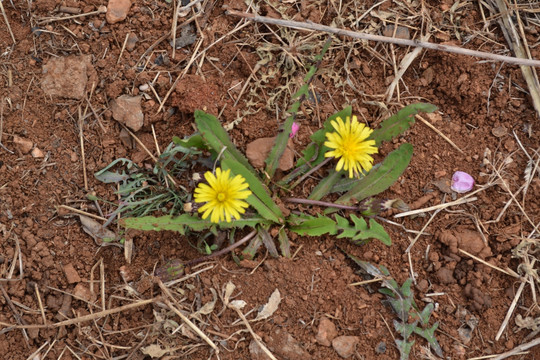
[[482, 105]]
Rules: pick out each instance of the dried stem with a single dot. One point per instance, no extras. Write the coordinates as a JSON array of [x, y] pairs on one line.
[[370, 37]]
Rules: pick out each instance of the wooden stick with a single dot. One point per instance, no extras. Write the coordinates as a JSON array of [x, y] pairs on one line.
[[370, 37]]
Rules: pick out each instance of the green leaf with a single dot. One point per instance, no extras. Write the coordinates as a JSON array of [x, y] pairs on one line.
[[183, 222], [380, 179], [324, 186], [429, 335], [426, 314], [404, 329], [361, 231], [284, 243], [232, 159], [400, 122], [217, 138], [404, 348], [193, 141], [272, 161], [315, 226]]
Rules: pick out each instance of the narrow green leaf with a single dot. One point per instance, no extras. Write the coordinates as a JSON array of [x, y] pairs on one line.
[[380, 179], [272, 161], [325, 185], [400, 122], [284, 243], [315, 226], [193, 141], [217, 138], [180, 223]]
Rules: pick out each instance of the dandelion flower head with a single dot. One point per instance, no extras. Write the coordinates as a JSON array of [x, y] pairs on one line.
[[349, 144], [224, 196]]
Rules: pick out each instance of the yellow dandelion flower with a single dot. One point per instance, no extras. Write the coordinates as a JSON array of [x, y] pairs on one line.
[[350, 146], [224, 196]]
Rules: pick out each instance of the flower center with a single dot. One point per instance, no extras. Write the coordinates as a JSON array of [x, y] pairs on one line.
[[221, 197]]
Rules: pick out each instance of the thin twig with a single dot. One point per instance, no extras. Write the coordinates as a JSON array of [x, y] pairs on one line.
[[508, 272], [428, 124], [7, 22], [510, 311], [370, 37], [518, 349], [101, 10]]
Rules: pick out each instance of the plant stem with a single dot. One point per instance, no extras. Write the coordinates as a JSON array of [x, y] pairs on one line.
[[223, 251], [320, 203]]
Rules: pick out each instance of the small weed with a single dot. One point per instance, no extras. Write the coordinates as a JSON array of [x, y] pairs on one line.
[[233, 185], [411, 320]]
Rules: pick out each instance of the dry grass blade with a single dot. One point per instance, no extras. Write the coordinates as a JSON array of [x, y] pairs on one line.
[[428, 124], [463, 200], [508, 272], [370, 37], [256, 337], [510, 310], [185, 318], [518, 349], [84, 318], [517, 44], [7, 22]]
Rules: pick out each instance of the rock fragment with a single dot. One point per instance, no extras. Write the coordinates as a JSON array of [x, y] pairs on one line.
[[67, 76], [22, 144], [117, 10], [127, 110], [131, 42], [72, 275], [326, 332], [37, 153], [82, 292], [345, 346], [257, 151]]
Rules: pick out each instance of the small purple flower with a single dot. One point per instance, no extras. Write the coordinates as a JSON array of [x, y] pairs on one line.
[[294, 129], [462, 182]]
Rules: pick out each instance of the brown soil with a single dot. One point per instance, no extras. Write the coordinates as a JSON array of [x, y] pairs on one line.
[[481, 105]]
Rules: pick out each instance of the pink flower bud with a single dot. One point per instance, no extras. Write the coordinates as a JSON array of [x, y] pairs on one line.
[[294, 129], [462, 182]]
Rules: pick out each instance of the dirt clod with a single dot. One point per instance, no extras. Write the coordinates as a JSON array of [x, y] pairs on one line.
[[465, 239], [117, 10], [72, 275], [67, 76], [326, 332], [127, 110], [345, 346], [22, 144]]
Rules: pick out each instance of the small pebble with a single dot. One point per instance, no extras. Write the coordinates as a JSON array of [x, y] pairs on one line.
[[144, 87], [380, 348]]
